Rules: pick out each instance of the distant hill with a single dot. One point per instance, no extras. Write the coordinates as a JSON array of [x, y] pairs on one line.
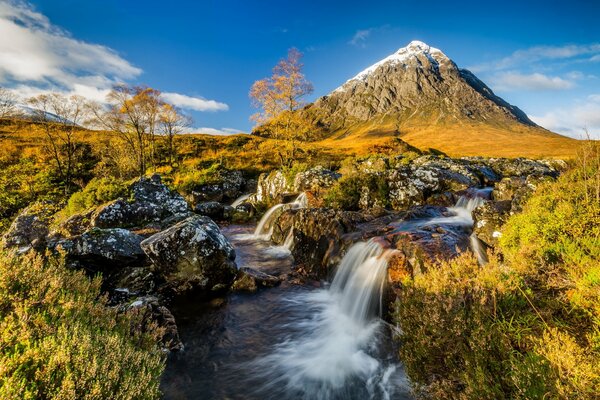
[[423, 97]]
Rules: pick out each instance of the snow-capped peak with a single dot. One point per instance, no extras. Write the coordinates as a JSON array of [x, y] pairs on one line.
[[413, 49]]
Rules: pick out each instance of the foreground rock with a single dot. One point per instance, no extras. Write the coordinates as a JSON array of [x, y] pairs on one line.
[[152, 202], [30, 229], [250, 280], [192, 255], [103, 249], [153, 312]]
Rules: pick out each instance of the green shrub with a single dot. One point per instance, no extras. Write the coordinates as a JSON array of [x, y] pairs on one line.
[[346, 193], [97, 191], [59, 340], [526, 326]]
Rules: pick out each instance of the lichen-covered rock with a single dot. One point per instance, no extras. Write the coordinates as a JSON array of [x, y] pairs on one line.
[[30, 228], [192, 255], [152, 202], [523, 167], [489, 219], [229, 186], [103, 249], [270, 187], [76, 224], [315, 179], [211, 209], [153, 312], [250, 280], [517, 189]]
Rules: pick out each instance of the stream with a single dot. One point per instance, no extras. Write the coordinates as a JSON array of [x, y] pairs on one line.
[[310, 341]]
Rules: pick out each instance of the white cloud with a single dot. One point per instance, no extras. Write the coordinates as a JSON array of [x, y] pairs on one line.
[[540, 53], [194, 103], [35, 51], [508, 81], [574, 120], [360, 37], [215, 131], [37, 57]]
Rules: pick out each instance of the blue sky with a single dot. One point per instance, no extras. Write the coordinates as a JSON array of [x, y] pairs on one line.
[[543, 56]]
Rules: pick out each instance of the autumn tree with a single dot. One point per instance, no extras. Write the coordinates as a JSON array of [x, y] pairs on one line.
[[280, 96], [61, 116], [8, 104], [172, 122], [133, 113]]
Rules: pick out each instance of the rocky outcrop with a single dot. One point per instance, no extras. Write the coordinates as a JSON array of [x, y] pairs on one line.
[[211, 209], [270, 187], [315, 179], [30, 229], [103, 249], [152, 202], [192, 255], [230, 185]]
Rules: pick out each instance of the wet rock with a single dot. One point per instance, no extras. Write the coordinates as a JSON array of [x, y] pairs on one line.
[[317, 238], [30, 228], [489, 219], [152, 202], [192, 255], [211, 209], [103, 249], [230, 184], [250, 280], [315, 179], [153, 312], [270, 187], [427, 245]]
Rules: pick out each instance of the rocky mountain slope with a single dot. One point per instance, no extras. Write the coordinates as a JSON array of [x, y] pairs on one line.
[[421, 95]]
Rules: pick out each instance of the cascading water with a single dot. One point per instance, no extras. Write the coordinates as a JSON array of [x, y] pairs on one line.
[[333, 354], [264, 229], [240, 200]]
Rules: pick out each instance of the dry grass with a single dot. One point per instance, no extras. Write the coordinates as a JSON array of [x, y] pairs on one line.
[[460, 139]]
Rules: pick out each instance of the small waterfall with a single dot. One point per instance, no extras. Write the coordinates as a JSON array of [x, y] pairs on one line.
[[289, 240], [478, 249], [240, 200], [335, 351], [264, 229]]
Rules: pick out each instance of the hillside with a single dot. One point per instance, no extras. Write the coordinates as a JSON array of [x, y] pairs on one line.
[[423, 97]]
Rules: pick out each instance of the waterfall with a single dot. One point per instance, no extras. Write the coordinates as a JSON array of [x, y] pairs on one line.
[[334, 351], [264, 229], [240, 200], [289, 240]]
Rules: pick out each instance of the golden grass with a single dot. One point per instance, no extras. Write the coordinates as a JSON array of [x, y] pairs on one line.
[[460, 140]]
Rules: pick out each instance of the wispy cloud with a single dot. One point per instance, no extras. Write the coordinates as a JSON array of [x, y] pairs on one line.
[[580, 53], [360, 37], [574, 120], [215, 131], [194, 103], [37, 56], [508, 81]]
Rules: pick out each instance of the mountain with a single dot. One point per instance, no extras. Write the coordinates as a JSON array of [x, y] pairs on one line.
[[423, 97]]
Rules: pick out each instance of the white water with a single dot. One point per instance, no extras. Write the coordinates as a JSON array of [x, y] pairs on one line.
[[264, 229], [333, 356], [240, 200]]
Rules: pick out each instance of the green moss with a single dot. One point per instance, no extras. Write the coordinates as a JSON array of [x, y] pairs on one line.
[[97, 192]]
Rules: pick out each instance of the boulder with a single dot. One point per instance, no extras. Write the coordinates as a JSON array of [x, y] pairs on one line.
[[211, 209], [153, 312], [315, 179], [103, 249], [192, 255], [228, 187], [152, 202], [489, 218], [318, 238], [30, 228], [250, 280], [270, 187]]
